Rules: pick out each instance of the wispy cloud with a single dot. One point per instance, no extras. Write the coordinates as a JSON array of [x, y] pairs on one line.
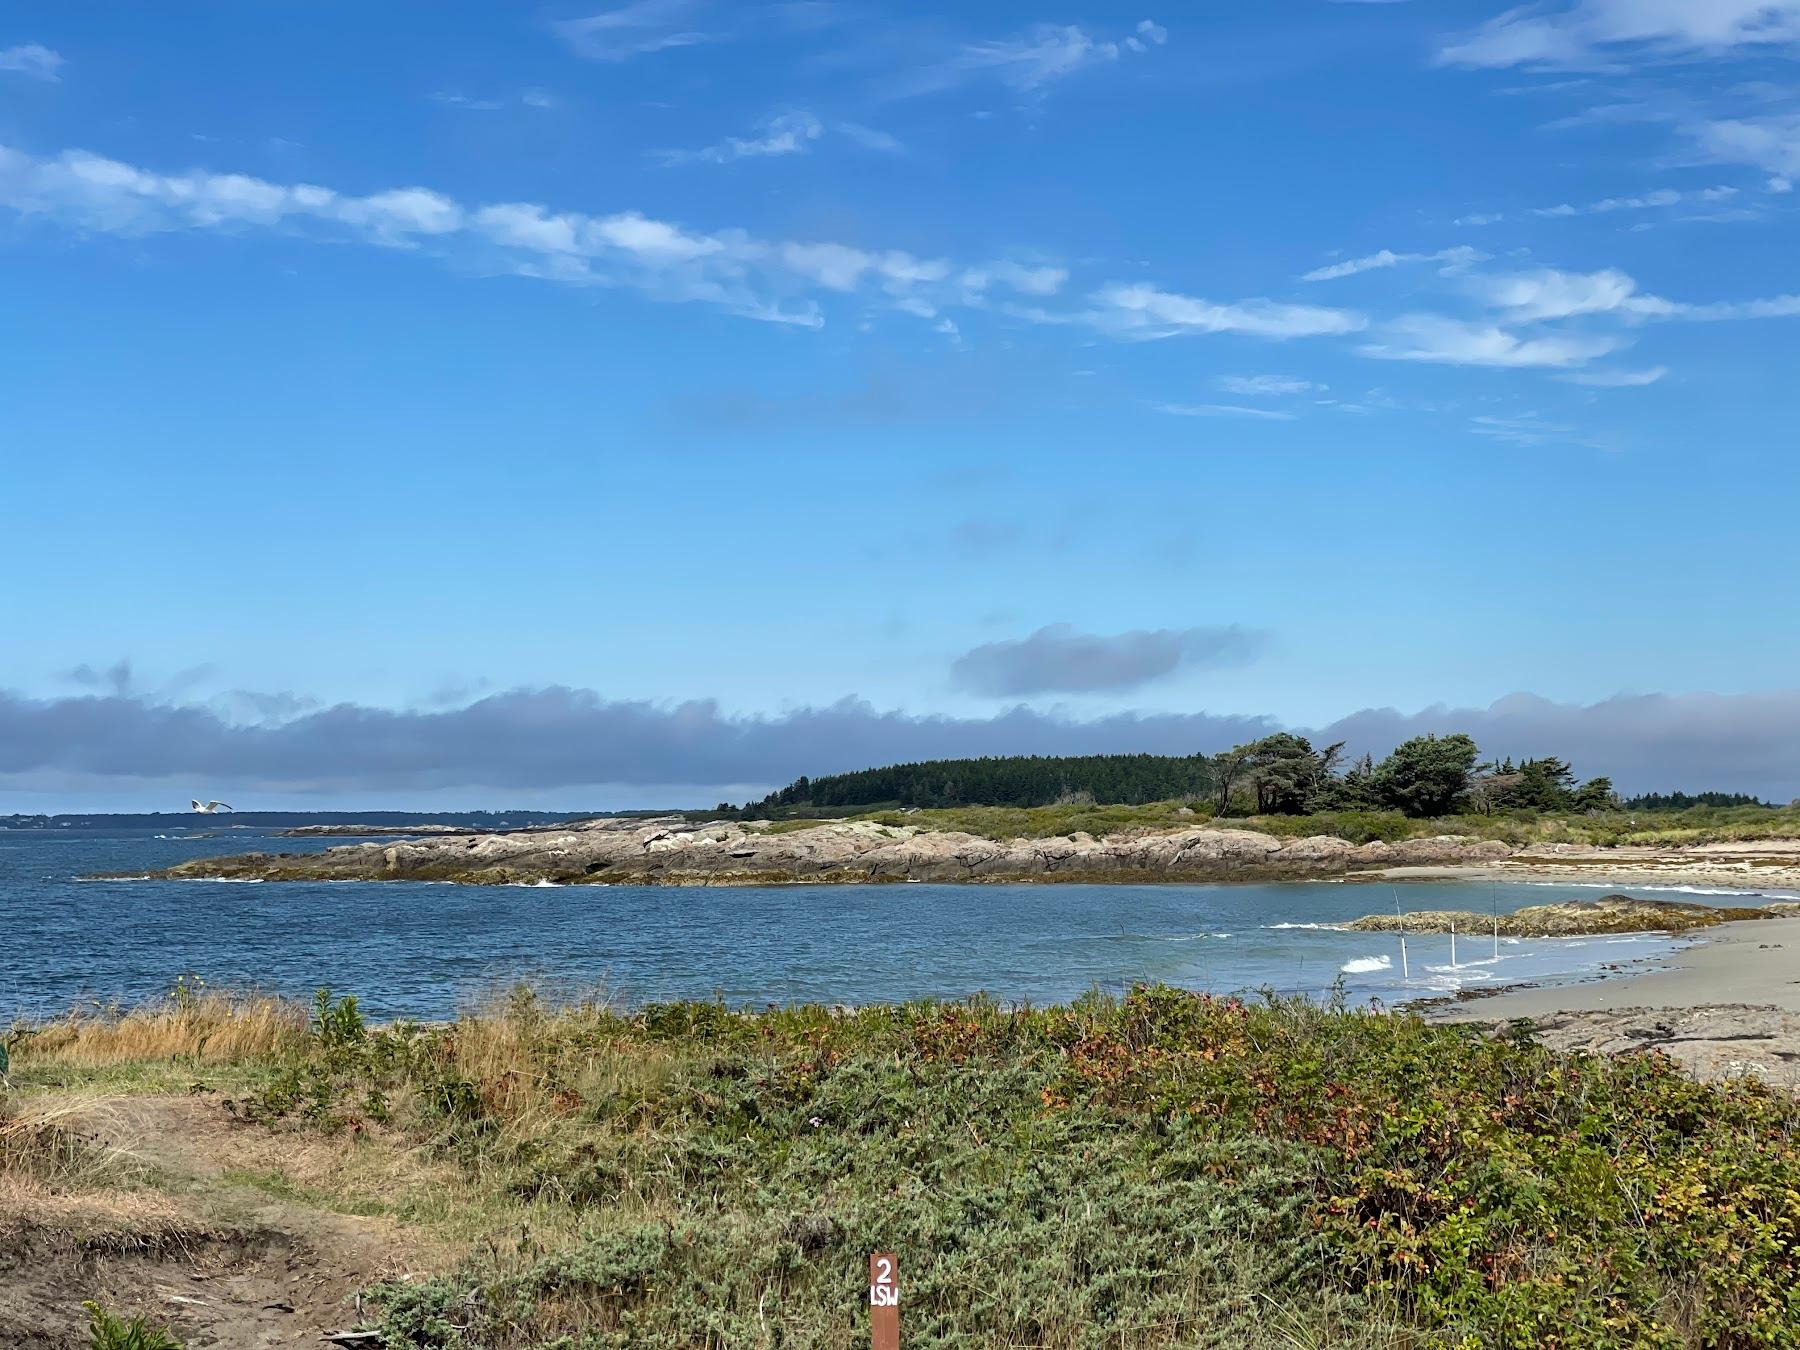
[[1529, 429], [1025, 279], [1603, 33], [790, 133], [1663, 197], [870, 138], [1549, 293], [633, 30], [1451, 260], [538, 99], [1616, 379], [1458, 342], [1058, 659], [1770, 143], [1030, 61], [775, 280], [1658, 200], [1143, 311], [32, 59], [1222, 410], [1267, 385]]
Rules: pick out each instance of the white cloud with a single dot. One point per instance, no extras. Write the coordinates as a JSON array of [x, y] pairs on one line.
[[1525, 429], [1548, 293], [1458, 342], [1147, 35], [1616, 379], [530, 98], [32, 59], [1140, 310], [1041, 55], [1267, 385], [774, 280], [1222, 410], [1479, 218], [1025, 280], [1453, 259], [1663, 197], [1770, 143], [870, 138], [788, 134], [1600, 33], [1775, 307], [632, 30]]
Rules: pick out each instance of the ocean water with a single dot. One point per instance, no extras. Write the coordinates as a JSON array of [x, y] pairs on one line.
[[429, 950]]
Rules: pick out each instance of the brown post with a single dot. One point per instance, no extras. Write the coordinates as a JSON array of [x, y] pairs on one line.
[[884, 1302]]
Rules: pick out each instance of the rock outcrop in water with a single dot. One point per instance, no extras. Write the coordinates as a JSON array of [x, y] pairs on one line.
[[1570, 918], [673, 851]]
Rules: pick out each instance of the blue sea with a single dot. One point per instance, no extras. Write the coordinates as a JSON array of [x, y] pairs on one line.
[[423, 950]]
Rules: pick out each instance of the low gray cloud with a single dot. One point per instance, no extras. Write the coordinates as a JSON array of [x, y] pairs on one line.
[[1057, 659], [116, 677], [542, 740]]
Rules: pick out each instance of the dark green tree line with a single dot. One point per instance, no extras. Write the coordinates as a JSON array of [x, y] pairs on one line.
[[1280, 774]]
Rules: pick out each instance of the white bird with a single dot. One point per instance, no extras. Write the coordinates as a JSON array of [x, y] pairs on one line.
[[207, 808]]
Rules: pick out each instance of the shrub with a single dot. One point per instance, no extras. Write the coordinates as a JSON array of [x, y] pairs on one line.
[[106, 1332]]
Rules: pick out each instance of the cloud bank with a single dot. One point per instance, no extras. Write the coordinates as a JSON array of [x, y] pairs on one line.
[[563, 738]]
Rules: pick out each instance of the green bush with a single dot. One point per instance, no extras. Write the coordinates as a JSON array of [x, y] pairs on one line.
[[1164, 1169], [106, 1332]]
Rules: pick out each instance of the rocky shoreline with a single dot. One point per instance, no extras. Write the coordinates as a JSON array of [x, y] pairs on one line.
[[674, 851]]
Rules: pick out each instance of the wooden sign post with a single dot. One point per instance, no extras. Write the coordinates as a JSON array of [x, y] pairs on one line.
[[884, 1302]]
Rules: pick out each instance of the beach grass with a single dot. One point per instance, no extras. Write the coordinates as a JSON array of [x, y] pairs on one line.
[[1163, 1169]]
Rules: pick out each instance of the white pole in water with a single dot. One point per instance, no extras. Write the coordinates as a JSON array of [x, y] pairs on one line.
[[1405, 973], [1453, 946], [1496, 937]]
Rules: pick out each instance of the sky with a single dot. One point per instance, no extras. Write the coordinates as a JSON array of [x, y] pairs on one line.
[[564, 405]]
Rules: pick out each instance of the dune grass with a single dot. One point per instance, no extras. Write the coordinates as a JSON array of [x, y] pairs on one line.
[[192, 1025], [1164, 1169]]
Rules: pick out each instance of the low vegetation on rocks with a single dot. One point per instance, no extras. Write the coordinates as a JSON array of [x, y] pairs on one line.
[[1164, 1169], [1566, 918]]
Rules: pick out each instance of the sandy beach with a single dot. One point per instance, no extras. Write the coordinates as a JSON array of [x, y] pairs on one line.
[[1727, 1005]]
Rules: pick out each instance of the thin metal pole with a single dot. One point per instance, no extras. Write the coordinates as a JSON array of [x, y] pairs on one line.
[[1405, 971]]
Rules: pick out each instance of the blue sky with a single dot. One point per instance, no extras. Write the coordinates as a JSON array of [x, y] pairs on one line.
[[1029, 377]]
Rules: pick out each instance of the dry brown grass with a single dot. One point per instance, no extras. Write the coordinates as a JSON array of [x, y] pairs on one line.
[[202, 1029], [54, 1172]]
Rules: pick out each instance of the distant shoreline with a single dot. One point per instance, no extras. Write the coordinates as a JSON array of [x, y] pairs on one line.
[[673, 850]]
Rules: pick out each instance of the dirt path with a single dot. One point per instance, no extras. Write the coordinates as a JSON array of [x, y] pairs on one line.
[[226, 1265]]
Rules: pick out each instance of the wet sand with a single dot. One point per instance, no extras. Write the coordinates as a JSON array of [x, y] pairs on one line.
[[1727, 1005]]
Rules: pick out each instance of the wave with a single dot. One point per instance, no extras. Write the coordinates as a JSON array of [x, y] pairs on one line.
[[1366, 965], [1329, 926]]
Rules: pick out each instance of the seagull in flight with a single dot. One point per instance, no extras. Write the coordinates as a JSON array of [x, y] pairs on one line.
[[208, 808]]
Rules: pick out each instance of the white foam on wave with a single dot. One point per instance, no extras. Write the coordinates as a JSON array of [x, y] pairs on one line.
[[1330, 926], [1366, 965]]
